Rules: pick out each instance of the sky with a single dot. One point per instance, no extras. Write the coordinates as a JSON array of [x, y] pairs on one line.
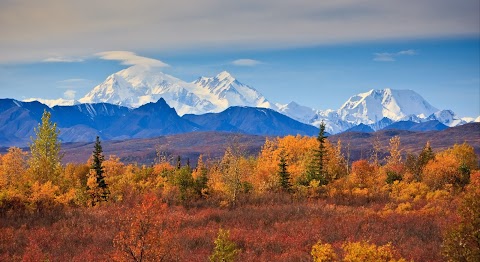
[[316, 53]]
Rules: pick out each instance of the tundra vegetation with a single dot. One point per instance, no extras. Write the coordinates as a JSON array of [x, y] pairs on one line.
[[299, 199]]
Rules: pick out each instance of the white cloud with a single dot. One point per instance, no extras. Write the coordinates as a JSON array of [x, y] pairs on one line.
[[69, 94], [407, 52], [391, 57], [73, 28], [72, 80], [130, 58], [246, 62], [62, 59], [383, 57]]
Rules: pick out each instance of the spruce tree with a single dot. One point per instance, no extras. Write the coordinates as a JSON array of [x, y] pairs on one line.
[[283, 174], [316, 168], [179, 162], [99, 190], [423, 158], [45, 162]]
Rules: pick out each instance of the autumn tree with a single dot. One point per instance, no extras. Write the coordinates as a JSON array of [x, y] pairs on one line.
[[376, 151], [323, 253], [200, 177], [96, 185], [363, 173], [225, 250], [13, 167], [394, 166], [232, 177], [366, 252], [283, 174], [336, 164], [462, 242], [146, 233], [395, 156], [44, 164], [265, 173], [452, 166]]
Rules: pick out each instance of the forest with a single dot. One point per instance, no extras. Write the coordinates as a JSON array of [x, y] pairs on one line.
[[300, 199]]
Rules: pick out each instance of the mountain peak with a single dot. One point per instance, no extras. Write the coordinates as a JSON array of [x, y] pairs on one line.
[[375, 104], [224, 75]]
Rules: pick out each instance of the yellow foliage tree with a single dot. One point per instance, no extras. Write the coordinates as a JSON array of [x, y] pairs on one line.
[[366, 252], [323, 253]]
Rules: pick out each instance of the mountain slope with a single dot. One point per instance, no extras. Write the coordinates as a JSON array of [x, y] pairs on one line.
[[230, 92], [138, 85], [18, 120], [83, 122], [374, 105], [149, 120], [249, 120]]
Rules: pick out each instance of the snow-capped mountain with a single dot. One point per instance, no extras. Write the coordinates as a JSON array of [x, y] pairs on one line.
[[447, 117], [53, 102], [298, 112], [138, 85], [370, 107], [230, 92]]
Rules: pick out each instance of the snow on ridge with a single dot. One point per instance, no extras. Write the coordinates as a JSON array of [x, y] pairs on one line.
[[138, 85], [52, 102]]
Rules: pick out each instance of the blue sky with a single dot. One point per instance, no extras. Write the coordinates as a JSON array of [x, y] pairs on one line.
[[317, 54]]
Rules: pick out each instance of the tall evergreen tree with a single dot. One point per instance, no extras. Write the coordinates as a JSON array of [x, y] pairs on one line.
[[98, 188], [316, 169], [283, 174], [179, 162], [45, 162], [423, 158]]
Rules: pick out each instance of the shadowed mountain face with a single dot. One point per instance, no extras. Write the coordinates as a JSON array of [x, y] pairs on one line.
[[257, 121], [83, 122]]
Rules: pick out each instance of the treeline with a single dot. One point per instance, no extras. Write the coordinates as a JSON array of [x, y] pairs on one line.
[[291, 171]]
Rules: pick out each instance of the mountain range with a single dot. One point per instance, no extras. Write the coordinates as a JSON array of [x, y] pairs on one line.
[[83, 122], [138, 85]]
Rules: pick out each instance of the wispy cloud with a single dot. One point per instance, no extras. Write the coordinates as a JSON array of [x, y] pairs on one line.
[[391, 57], [78, 30], [72, 80], [246, 62], [130, 58], [69, 94], [62, 59]]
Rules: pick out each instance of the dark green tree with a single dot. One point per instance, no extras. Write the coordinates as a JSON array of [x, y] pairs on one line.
[[316, 169], [423, 158], [201, 177], [45, 162], [179, 162], [184, 181], [283, 174], [98, 188]]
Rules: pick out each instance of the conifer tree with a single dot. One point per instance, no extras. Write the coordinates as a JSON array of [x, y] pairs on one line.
[[426, 155], [283, 174], [45, 161], [316, 169], [97, 187], [200, 176], [179, 162]]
